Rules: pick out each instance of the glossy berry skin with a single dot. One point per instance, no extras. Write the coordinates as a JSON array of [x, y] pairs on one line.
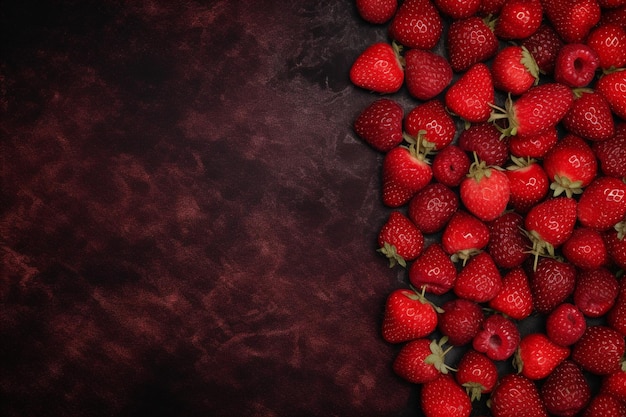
[[432, 123], [534, 145], [611, 153], [479, 280], [376, 11], [565, 325], [571, 165], [405, 172], [458, 9], [537, 356], [378, 69], [616, 317], [416, 24], [576, 65], [432, 207], [508, 245], [586, 249], [498, 338], [477, 374], [519, 19], [602, 204], [590, 116], [609, 43], [551, 283], [426, 74], [550, 223], [572, 19], [544, 46], [516, 396], [615, 384], [514, 70], [515, 297], [472, 94], [485, 191], [599, 350], [410, 363], [596, 292], [380, 124], [528, 183], [399, 239], [443, 397], [484, 139], [566, 391], [407, 316], [460, 321], [469, 42], [450, 165], [433, 271], [604, 405], [612, 86], [464, 235]]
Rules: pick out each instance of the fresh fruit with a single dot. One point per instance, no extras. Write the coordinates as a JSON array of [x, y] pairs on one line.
[[433, 123], [378, 69], [585, 249], [416, 24], [472, 95], [443, 397], [408, 316], [571, 165], [615, 384], [484, 140], [602, 204], [399, 239], [604, 405], [508, 245], [600, 350], [590, 116], [458, 9], [534, 145], [470, 41], [596, 291], [433, 271], [518, 19], [426, 74], [611, 153], [613, 86], [537, 356], [528, 183], [551, 283], [544, 46], [450, 165], [477, 374], [490, 7], [432, 207], [565, 325], [576, 65], [376, 11], [460, 321], [514, 298], [380, 124], [485, 191], [615, 240], [609, 43], [479, 280], [497, 338], [514, 70], [464, 236], [405, 172], [572, 19], [566, 391], [616, 317], [421, 360], [516, 396]]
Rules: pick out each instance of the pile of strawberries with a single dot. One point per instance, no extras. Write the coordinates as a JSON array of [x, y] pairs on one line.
[[506, 189]]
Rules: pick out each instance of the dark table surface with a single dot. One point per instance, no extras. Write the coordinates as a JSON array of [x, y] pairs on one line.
[[188, 222]]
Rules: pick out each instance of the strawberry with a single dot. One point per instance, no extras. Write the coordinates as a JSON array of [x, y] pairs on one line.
[[490, 7], [507, 243], [408, 316], [479, 280], [380, 124], [535, 145], [426, 74], [477, 374], [458, 9], [378, 69], [514, 70], [566, 391], [551, 283], [516, 396], [599, 350], [616, 317], [537, 356], [576, 65], [596, 292], [615, 384], [464, 236], [497, 338], [376, 11], [590, 116], [421, 360], [610, 4], [604, 405], [443, 397], [399, 239], [565, 325], [585, 249], [433, 271], [460, 321], [572, 19], [571, 165], [432, 122], [616, 16], [485, 191], [613, 86], [603, 203], [450, 165], [472, 95], [609, 43], [484, 139], [432, 207], [514, 298], [616, 244], [544, 46], [538, 109], [528, 183], [470, 41], [519, 19], [416, 24], [611, 153], [405, 172]]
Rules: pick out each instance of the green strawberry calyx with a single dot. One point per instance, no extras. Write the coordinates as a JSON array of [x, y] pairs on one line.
[[392, 254], [437, 357], [508, 113]]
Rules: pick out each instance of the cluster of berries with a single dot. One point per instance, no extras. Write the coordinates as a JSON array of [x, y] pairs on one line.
[[503, 213]]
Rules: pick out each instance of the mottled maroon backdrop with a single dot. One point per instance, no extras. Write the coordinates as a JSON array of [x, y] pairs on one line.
[[188, 222]]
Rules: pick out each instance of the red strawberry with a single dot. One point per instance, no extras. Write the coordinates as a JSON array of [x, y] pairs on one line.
[[609, 42], [533, 146], [565, 391], [544, 46], [514, 70], [615, 384], [498, 338], [537, 356], [460, 321], [376, 11], [596, 292], [575, 65], [519, 19], [432, 207], [450, 165], [586, 249], [443, 397], [538, 109], [477, 374], [432, 122], [458, 9], [426, 74], [514, 298], [565, 325], [464, 236], [405, 172], [613, 86], [611, 153], [484, 139], [433, 271], [479, 280], [549, 224], [399, 239], [590, 116], [380, 124], [470, 41], [616, 317], [571, 165], [516, 396], [508, 245], [604, 405], [599, 350], [378, 69], [528, 183], [485, 191], [603, 203], [616, 16], [572, 19], [472, 95], [616, 244], [421, 360], [416, 24], [408, 316], [610, 4], [551, 283]]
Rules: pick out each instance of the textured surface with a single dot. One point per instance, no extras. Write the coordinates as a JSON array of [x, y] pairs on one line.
[[187, 220]]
